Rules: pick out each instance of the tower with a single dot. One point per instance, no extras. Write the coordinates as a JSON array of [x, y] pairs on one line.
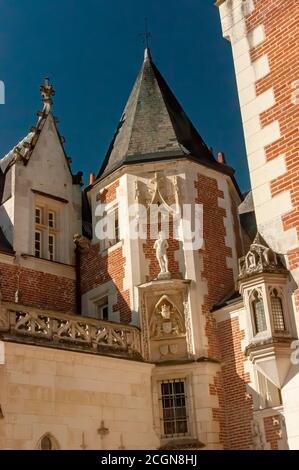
[[264, 40], [157, 159]]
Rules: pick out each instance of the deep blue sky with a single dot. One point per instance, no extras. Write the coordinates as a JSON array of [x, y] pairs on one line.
[[92, 51]]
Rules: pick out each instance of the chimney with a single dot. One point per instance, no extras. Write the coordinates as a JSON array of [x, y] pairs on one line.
[[92, 178], [221, 158]]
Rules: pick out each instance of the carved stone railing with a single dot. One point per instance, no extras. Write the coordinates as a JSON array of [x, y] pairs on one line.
[[71, 331]]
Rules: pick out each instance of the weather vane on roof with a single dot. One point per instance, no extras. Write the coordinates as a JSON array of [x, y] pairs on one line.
[[146, 35]]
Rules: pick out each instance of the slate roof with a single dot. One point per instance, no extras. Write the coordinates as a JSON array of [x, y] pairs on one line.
[[154, 126], [4, 243]]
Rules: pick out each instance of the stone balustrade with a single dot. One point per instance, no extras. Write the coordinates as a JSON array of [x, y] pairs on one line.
[[70, 331]]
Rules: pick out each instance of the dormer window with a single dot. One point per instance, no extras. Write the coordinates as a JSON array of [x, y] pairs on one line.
[[277, 311], [51, 219], [38, 215], [258, 312], [111, 224], [45, 235]]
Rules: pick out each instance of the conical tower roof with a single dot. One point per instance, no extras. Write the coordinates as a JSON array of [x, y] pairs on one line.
[[154, 126]]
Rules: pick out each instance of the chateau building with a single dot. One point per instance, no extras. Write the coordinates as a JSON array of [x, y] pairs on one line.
[[123, 324]]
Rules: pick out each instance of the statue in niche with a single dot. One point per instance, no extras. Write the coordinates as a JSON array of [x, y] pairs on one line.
[[161, 246]]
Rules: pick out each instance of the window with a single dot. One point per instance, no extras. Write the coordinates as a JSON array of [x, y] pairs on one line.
[[174, 409], [38, 244], [46, 233], [51, 219], [277, 311], [269, 394], [116, 226], [51, 247], [258, 312], [46, 443], [102, 308], [111, 225], [38, 215]]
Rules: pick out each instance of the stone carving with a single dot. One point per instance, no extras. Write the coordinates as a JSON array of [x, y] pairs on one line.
[[47, 91], [166, 349], [166, 320], [93, 334], [161, 246], [160, 190], [190, 347], [257, 436], [144, 330], [82, 243], [260, 258]]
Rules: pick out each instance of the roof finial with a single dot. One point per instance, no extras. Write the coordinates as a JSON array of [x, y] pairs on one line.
[[47, 91], [146, 36]]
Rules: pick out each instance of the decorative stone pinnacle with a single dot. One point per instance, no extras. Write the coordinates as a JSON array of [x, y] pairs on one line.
[[47, 91]]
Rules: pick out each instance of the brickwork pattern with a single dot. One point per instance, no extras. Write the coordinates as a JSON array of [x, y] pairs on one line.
[[280, 19], [215, 271], [273, 431], [37, 288], [236, 410], [100, 267]]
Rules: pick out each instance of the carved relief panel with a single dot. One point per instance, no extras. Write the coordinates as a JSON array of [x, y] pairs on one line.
[[164, 320]]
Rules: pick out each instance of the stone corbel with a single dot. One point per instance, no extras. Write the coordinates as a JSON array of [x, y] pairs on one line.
[[82, 243]]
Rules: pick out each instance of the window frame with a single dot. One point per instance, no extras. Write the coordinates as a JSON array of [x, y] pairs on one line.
[[172, 397], [40, 243], [257, 294], [98, 305], [53, 236], [108, 243], [263, 392], [52, 227], [47, 231], [279, 295], [40, 209]]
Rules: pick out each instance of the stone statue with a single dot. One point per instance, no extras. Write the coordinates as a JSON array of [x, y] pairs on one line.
[[161, 246]]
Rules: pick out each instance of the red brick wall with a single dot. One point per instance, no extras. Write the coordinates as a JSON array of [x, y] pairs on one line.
[[98, 268], [280, 19], [273, 431], [37, 289], [236, 409], [150, 254], [215, 271]]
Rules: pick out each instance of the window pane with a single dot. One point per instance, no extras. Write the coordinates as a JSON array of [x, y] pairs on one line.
[[51, 219], [38, 215], [102, 308], [51, 247], [105, 312], [259, 315], [277, 313], [174, 411], [38, 244], [116, 226]]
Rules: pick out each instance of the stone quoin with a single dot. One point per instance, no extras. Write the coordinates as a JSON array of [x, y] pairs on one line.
[[126, 342]]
